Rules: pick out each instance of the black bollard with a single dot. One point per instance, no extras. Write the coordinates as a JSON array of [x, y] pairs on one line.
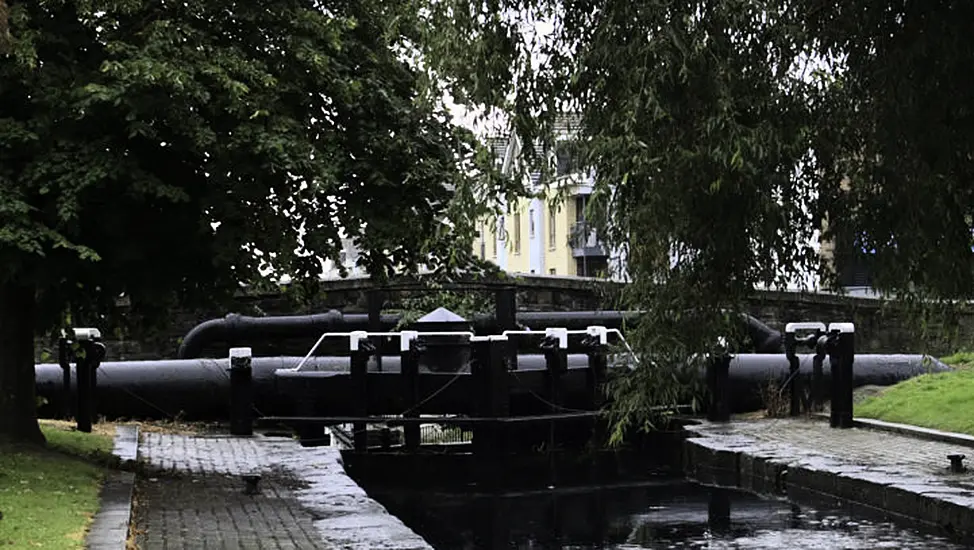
[[841, 347], [410, 350], [718, 386], [87, 339], [360, 350], [83, 385], [64, 360], [241, 392], [99, 355]]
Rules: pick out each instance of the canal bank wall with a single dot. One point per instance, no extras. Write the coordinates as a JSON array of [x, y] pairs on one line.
[[867, 469]]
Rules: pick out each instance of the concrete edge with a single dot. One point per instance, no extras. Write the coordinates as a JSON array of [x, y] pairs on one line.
[[928, 434], [110, 527], [338, 516], [719, 461]]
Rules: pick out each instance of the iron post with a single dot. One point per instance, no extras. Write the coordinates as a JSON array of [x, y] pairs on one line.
[[719, 510], [818, 373], [596, 348], [841, 357], [791, 353], [375, 299], [241, 392], [88, 340], [505, 313], [718, 382], [796, 384], [555, 348], [493, 401], [360, 349], [410, 349], [64, 360]]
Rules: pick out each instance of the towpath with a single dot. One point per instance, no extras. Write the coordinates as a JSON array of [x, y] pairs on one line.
[[893, 473], [195, 498]]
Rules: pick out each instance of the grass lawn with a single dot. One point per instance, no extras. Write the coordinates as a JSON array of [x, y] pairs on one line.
[[942, 401], [48, 496]]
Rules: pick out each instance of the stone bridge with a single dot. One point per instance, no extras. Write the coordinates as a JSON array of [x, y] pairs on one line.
[[882, 326]]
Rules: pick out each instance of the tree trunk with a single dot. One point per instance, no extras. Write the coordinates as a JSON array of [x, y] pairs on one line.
[[18, 404], [5, 39]]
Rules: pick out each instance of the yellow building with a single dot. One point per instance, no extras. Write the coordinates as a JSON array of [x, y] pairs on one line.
[[538, 236]]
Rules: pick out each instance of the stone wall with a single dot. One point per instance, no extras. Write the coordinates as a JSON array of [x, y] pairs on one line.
[[881, 327]]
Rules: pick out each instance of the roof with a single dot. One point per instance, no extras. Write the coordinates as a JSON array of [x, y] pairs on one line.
[[441, 315]]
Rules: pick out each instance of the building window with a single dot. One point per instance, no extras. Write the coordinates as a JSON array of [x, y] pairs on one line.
[[552, 271], [591, 267], [566, 159], [517, 233], [552, 229], [531, 223], [581, 204]]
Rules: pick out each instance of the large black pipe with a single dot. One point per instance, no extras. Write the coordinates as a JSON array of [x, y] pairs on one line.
[[199, 388], [235, 327], [753, 374], [240, 328]]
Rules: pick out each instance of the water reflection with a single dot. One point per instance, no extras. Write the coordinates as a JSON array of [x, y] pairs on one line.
[[659, 514]]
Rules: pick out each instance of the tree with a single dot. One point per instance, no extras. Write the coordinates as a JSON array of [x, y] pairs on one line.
[[725, 133], [171, 151]]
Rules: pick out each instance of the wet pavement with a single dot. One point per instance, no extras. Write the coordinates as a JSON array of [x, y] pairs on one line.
[[196, 497], [805, 460]]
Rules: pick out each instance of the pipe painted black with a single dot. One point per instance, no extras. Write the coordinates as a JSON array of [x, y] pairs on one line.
[[236, 327], [751, 373], [241, 328], [199, 388]]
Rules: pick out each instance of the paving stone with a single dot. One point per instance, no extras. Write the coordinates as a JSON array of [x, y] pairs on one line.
[[305, 501]]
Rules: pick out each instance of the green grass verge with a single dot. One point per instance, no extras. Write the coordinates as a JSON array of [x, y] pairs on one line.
[[48, 496], [961, 359], [941, 401]]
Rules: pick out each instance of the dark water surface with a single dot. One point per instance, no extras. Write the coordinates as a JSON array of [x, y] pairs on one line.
[[664, 513]]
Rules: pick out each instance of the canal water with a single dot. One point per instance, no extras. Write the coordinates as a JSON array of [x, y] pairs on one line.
[[663, 513]]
